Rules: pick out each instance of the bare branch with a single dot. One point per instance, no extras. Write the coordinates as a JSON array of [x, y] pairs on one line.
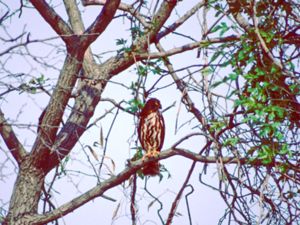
[[181, 20], [126, 173], [11, 140], [27, 42], [185, 48], [182, 87]]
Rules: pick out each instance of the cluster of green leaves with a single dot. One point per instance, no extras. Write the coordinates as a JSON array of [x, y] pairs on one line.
[[222, 28], [153, 67], [260, 100], [267, 153], [136, 32], [122, 43], [134, 105], [33, 85], [263, 93]]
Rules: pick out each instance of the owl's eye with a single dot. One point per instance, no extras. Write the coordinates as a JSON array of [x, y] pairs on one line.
[[157, 104]]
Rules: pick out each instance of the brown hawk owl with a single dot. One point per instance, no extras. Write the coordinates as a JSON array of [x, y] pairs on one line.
[[151, 132]]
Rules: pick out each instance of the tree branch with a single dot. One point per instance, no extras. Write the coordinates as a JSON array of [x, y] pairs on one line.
[[90, 90], [181, 20], [99, 190], [87, 99], [235, 10], [185, 48], [54, 112], [182, 87], [11, 140], [53, 19]]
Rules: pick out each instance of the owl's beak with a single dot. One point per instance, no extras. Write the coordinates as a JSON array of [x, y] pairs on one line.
[[158, 105]]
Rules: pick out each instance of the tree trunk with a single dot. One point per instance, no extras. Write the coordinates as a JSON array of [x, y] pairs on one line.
[[26, 194]]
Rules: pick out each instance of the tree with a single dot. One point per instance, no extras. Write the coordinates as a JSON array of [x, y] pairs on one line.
[[234, 76]]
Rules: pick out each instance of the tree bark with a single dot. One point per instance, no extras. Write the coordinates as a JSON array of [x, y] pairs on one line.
[[26, 195]]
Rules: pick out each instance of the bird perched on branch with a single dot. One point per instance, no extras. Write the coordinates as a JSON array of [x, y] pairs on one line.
[[151, 132]]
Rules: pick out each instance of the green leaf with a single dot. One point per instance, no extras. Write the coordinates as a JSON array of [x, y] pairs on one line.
[[142, 70], [265, 154], [121, 41], [268, 36], [215, 56], [206, 71], [233, 76], [223, 28], [265, 131], [241, 55], [41, 80], [231, 141], [284, 150], [134, 105]]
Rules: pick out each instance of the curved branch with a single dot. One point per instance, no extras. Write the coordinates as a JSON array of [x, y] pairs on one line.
[[179, 194], [11, 140], [185, 48], [181, 20], [182, 87], [99, 190]]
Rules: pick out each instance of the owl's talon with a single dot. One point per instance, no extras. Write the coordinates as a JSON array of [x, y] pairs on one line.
[[150, 154], [154, 153]]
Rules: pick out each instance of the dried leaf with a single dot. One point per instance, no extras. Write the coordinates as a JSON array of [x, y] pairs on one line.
[[101, 137], [130, 181], [178, 214], [115, 213], [93, 152], [113, 165], [151, 203], [111, 168], [177, 117]]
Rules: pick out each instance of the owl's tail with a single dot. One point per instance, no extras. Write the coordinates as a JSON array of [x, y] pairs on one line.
[[152, 169]]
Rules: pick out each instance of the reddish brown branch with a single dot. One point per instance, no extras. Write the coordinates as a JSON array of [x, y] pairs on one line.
[[11, 140]]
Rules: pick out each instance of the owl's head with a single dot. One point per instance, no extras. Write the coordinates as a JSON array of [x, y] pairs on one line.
[[152, 105]]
